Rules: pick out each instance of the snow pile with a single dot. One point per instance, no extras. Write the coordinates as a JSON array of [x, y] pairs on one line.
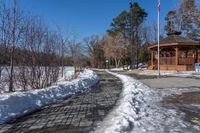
[[171, 73], [139, 111], [19, 103]]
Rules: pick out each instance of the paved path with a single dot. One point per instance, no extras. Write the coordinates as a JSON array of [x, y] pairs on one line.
[[172, 82], [165, 81], [81, 113]]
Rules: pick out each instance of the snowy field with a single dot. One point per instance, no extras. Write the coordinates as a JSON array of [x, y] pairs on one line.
[[68, 74], [139, 110], [19, 103]]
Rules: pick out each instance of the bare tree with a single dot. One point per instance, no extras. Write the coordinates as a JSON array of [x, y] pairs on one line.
[[63, 44], [14, 33], [114, 48], [41, 46], [29, 49], [91, 42], [3, 35], [75, 53], [119, 43]]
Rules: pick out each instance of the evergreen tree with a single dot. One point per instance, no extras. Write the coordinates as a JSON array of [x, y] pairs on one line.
[[128, 23], [120, 24]]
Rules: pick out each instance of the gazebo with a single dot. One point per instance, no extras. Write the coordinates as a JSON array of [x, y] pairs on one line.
[[176, 53]]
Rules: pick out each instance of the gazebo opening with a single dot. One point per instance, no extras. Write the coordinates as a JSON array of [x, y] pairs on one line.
[[176, 53]]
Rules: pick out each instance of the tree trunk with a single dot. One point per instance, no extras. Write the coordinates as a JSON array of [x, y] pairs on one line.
[[62, 70], [62, 60], [12, 46], [0, 73], [116, 64], [132, 57], [11, 72]]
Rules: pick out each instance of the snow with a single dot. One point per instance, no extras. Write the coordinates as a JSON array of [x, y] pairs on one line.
[[117, 69], [16, 104], [196, 105], [68, 73], [139, 110]]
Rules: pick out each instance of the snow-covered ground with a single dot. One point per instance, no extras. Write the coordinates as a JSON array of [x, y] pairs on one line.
[[19, 103], [117, 69], [139, 110], [68, 73]]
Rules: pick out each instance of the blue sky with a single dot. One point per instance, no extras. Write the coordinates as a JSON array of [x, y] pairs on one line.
[[87, 17]]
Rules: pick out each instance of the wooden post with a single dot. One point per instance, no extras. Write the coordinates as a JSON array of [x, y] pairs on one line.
[[177, 55], [152, 58], [186, 55], [194, 55]]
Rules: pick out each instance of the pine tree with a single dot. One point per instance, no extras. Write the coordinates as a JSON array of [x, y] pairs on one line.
[[127, 24]]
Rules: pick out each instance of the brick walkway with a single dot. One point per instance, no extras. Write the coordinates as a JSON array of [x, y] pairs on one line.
[[80, 113]]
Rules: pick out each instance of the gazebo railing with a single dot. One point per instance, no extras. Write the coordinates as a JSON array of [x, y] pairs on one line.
[[181, 61], [167, 60], [186, 61]]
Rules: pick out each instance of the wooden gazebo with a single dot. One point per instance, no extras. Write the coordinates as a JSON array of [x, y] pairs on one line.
[[176, 53]]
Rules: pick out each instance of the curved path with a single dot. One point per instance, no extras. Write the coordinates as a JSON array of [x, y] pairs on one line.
[[80, 113]]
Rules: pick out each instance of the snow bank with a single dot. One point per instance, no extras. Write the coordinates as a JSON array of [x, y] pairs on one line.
[[19, 103], [139, 110]]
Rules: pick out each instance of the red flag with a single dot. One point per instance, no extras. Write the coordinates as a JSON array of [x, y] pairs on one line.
[[159, 5]]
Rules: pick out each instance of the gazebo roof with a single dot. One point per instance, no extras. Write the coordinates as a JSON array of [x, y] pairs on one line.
[[174, 40]]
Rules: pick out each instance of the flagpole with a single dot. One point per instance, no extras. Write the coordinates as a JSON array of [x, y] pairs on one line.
[[158, 38]]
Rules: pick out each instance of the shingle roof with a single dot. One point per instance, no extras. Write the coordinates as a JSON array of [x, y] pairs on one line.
[[174, 40], [177, 39]]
